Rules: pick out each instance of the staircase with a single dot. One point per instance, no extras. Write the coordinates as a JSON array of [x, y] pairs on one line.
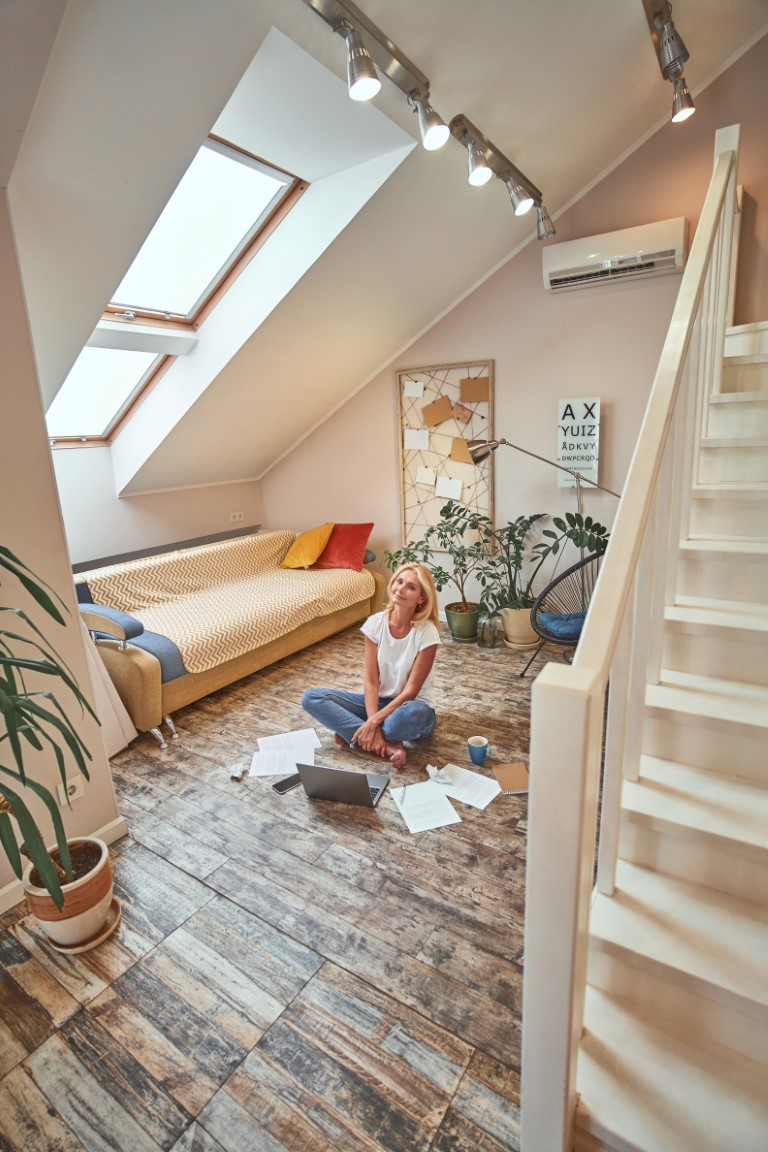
[[674, 1050]]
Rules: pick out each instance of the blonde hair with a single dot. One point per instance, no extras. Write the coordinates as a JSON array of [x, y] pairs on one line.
[[427, 610]]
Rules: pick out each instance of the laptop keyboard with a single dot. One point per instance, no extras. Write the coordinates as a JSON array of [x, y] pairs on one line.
[[375, 792]]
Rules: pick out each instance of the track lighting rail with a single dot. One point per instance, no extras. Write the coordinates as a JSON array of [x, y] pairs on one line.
[[466, 132], [387, 57]]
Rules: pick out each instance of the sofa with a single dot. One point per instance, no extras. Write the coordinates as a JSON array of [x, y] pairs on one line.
[[172, 628]]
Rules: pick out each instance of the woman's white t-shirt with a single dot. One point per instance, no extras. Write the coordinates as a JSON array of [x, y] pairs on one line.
[[396, 657]]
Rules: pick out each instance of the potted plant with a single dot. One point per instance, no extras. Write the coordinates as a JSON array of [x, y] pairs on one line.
[[463, 534], [509, 573], [59, 881]]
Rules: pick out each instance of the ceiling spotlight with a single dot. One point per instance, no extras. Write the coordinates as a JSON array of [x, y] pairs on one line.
[[522, 201], [478, 171], [672, 52], [682, 101], [362, 80], [545, 229], [434, 131], [672, 55]]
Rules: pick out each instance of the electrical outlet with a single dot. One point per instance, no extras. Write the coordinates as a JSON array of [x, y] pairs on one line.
[[236, 517], [73, 791]]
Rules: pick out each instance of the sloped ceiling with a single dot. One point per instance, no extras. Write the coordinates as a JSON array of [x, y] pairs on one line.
[[564, 89]]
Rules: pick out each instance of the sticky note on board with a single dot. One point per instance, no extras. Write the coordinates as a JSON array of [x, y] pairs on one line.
[[474, 391], [413, 388], [447, 488], [462, 414], [460, 451], [416, 439], [437, 411], [426, 476]]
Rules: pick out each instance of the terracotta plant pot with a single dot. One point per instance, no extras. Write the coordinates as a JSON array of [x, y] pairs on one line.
[[87, 901], [518, 632]]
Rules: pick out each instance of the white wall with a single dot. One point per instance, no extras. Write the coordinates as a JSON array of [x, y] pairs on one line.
[[31, 527], [98, 524]]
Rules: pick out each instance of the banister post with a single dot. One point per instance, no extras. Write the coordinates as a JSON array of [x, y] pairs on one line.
[[566, 724]]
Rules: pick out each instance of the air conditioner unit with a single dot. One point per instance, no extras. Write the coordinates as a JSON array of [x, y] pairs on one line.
[[648, 250]]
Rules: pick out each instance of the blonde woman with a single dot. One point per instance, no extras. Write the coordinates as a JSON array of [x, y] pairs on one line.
[[400, 647]]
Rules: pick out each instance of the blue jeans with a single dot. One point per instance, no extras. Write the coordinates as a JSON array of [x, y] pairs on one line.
[[344, 712]]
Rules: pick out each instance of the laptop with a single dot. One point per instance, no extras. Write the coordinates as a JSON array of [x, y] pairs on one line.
[[321, 783]]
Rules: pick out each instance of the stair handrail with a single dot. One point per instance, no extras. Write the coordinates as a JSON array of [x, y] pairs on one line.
[[621, 641]]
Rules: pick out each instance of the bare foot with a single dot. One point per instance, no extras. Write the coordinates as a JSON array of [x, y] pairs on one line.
[[340, 740], [396, 754]]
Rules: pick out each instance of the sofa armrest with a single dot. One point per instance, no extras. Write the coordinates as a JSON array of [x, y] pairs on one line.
[[136, 676], [111, 621]]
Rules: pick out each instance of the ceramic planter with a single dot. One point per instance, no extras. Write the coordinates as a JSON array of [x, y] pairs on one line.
[[518, 632], [463, 625], [87, 901]]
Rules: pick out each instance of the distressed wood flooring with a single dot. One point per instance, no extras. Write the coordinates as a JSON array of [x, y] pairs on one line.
[[288, 974]]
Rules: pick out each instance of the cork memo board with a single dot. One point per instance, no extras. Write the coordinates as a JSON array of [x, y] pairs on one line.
[[441, 408]]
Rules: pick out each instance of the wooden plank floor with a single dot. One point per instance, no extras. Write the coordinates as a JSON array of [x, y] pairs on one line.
[[288, 974]]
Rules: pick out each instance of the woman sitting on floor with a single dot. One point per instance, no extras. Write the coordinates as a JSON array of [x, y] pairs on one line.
[[400, 647]]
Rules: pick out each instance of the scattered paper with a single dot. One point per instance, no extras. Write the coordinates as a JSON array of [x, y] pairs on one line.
[[416, 439], [280, 754], [413, 388], [424, 806], [440, 775], [468, 787], [426, 476], [275, 763], [283, 740], [448, 488]]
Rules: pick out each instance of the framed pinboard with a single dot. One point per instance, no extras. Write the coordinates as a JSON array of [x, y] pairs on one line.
[[441, 408]]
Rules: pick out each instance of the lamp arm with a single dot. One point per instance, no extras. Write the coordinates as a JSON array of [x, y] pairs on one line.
[[576, 475]]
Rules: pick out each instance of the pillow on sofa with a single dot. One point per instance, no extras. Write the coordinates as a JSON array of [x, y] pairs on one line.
[[307, 547], [346, 546]]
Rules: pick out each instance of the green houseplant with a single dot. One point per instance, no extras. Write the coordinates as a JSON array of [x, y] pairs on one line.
[[34, 719], [461, 533], [509, 575]]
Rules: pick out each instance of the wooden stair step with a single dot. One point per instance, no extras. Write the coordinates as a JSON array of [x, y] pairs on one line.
[[738, 398], [693, 802], [720, 489], [734, 442], [747, 708], [645, 1089], [690, 935], [743, 548], [731, 614], [695, 682]]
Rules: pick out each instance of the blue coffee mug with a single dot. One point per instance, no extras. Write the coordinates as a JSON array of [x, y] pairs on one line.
[[478, 749]]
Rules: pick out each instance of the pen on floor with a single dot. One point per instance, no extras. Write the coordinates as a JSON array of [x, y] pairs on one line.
[[402, 797]]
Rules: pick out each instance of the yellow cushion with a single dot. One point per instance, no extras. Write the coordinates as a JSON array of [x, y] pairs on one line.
[[307, 547]]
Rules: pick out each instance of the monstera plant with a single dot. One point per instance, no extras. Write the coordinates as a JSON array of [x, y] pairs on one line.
[[35, 686]]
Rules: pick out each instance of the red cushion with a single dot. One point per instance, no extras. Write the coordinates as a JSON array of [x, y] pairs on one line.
[[346, 547]]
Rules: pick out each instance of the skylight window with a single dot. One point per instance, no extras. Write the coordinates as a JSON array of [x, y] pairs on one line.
[[212, 224], [99, 387], [211, 217]]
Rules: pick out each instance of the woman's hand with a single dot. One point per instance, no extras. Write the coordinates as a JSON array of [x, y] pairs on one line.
[[369, 737]]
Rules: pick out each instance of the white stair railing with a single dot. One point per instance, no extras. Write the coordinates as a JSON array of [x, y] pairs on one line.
[[620, 644]]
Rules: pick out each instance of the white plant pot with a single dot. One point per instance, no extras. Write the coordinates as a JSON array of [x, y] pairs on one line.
[[518, 632]]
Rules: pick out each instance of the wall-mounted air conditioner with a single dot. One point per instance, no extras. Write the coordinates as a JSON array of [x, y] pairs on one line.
[[648, 250]]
